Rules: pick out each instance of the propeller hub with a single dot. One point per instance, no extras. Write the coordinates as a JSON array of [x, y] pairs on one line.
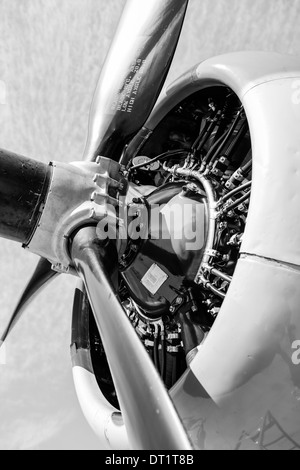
[[79, 194]]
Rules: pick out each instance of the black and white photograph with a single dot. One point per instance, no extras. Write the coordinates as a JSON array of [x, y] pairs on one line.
[[149, 227]]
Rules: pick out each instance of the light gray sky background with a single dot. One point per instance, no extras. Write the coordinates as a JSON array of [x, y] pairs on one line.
[[51, 53]]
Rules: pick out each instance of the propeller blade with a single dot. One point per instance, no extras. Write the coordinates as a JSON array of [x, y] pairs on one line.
[[42, 275], [24, 186], [133, 74], [149, 415]]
